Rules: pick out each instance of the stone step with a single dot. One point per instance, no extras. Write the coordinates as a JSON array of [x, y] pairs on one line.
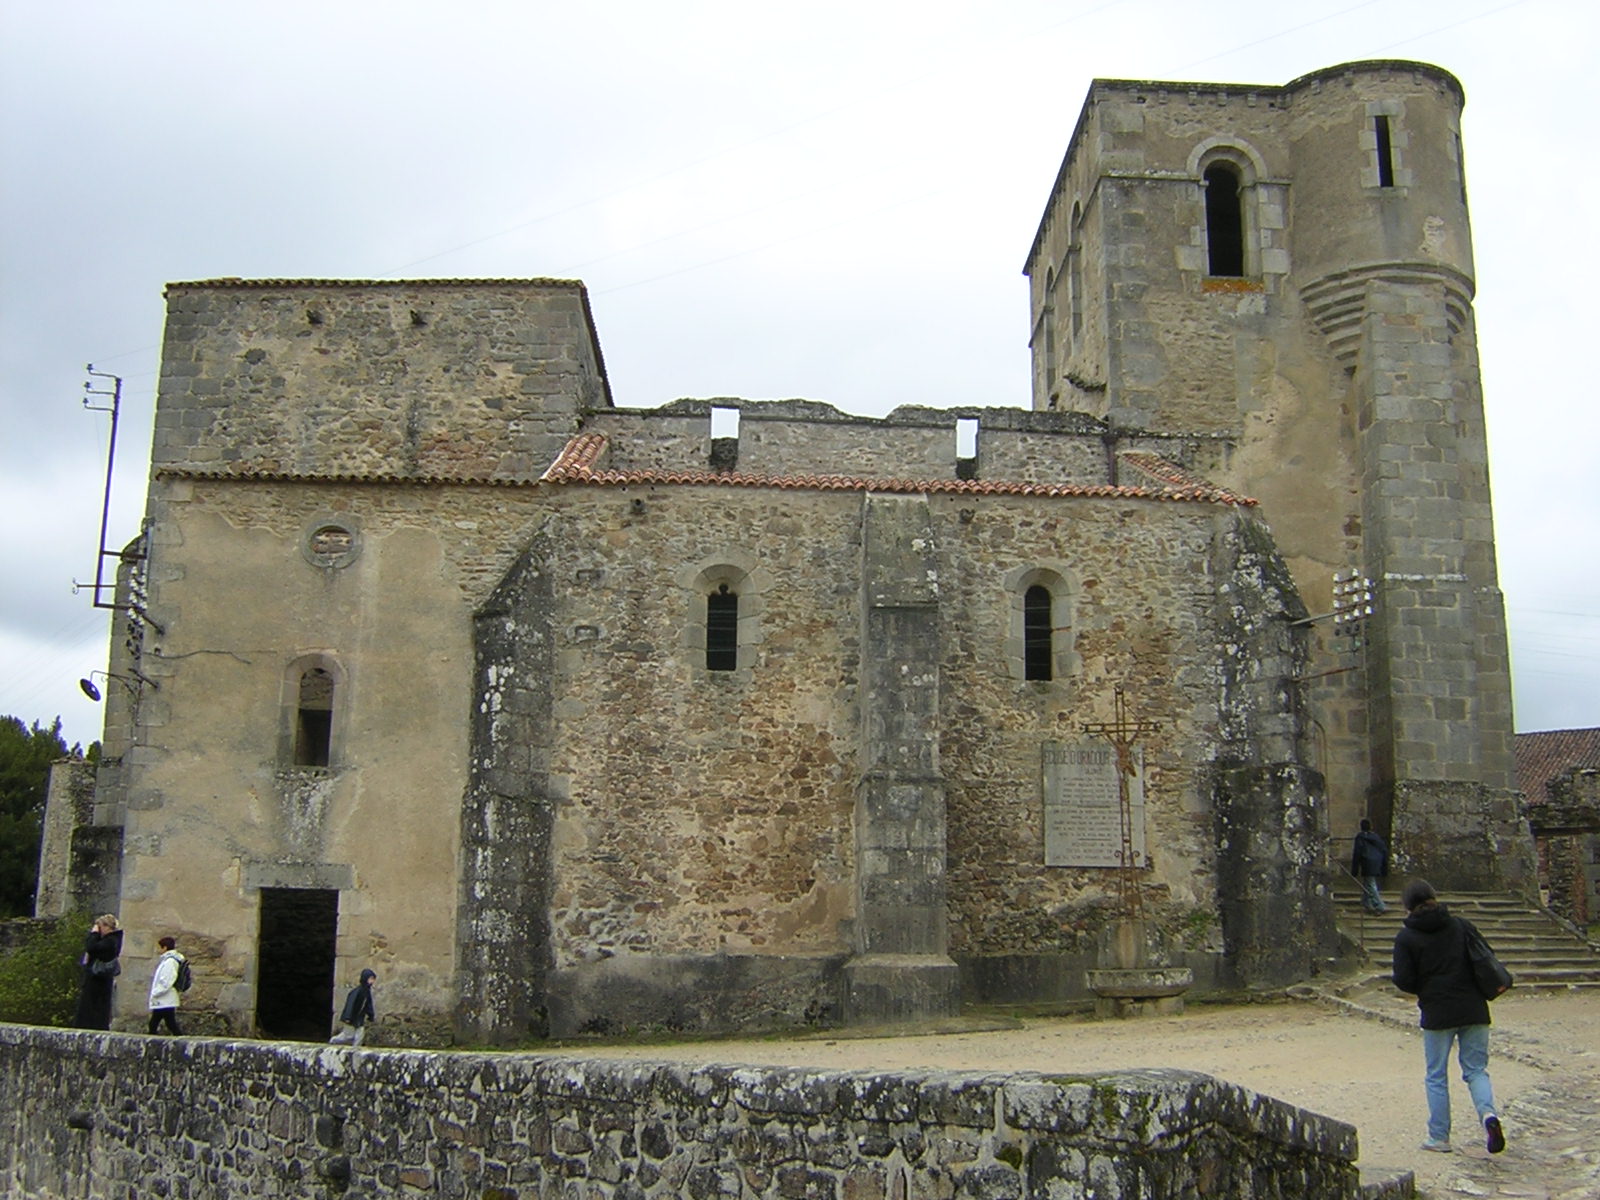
[[1536, 948]]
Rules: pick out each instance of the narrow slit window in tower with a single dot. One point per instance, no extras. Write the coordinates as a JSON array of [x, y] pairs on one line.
[[1224, 221], [313, 730], [1075, 273], [1037, 648], [1380, 128], [1049, 328], [722, 629]]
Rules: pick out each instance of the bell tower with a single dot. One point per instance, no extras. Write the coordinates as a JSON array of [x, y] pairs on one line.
[[1273, 284]]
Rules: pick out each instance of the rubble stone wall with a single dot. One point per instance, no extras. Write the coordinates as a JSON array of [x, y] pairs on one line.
[[100, 1115]]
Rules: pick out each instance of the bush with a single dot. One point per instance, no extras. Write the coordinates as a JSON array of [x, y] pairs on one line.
[[39, 979]]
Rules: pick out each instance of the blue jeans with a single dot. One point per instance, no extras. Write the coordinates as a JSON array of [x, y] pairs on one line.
[[1473, 1054], [1370, 898]]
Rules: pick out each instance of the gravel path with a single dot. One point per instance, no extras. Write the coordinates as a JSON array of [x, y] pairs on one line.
[[1358, 1059]]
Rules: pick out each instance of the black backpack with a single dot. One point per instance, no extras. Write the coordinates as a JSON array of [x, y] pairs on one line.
[[185, 979]]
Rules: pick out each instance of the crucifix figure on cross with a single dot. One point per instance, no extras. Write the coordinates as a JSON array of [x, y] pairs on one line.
[[1123, 732]]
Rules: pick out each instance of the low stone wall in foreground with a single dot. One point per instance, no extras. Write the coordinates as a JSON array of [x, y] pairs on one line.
[[118, 1116]]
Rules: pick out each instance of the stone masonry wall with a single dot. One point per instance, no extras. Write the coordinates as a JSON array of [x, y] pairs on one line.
[[1567, 827], [503, 923], [1135, 585], [102, 1116], [70, 806], [1270, 809], [806, 437], [702, 819], [464, 379], [703, 863]]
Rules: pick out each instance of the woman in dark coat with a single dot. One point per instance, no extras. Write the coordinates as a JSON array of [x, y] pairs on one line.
[[103, 945], [1430, 962]]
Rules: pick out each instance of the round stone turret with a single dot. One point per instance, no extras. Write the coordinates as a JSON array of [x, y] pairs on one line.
[[1379, 189]]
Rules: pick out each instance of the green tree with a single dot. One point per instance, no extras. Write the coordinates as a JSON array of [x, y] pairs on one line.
[[25, 757], [39, 979]]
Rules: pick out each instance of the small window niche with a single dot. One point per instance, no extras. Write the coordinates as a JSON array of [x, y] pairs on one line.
[[724, 438], [313, 724], [723, 600], [1224, 222], [1039, 646], [966, 447], [1383, 140], [1038, 634], [722, 629]]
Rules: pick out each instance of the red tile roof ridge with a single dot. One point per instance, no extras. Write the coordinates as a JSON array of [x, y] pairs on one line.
[[276, 475]]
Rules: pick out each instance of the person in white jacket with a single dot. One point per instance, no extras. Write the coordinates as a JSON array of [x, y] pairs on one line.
[[164, 988]]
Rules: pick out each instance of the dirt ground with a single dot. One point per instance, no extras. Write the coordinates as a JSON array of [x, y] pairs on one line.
[[1358, 1059]]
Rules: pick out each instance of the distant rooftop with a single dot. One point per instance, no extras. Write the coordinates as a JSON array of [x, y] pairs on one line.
[[1542, 757]]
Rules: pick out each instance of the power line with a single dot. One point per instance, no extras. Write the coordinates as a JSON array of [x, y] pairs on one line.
[[1452, 25], [1281, 34]]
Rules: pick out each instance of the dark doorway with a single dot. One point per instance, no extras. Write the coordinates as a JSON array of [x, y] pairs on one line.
[[294, 978]]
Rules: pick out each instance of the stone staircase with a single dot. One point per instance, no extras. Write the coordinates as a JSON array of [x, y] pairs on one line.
[[1537, 949]]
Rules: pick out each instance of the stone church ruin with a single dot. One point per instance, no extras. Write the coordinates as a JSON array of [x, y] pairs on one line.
[[572, 716]]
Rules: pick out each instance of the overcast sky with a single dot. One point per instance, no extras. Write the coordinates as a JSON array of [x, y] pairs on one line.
[[823, 199]]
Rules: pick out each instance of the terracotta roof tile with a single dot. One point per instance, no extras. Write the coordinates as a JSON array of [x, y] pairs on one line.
[[234, 282], [244, 474], [1541, 757], [578, 463], [1163, 471]]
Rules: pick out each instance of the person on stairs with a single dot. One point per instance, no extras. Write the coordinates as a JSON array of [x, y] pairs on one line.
[[1369, 862]]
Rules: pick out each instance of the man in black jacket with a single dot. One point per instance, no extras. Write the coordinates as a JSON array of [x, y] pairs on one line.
[[1369, 862], [358, 1011], [1430, 962]]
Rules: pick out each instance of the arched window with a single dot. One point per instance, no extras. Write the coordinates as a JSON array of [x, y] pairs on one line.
[[722, 629], [723, 606], [313, 726], [1039, 649], [1224, 221], [1038, 656]]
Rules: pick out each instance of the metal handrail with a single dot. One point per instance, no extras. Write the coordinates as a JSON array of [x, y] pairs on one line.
[[1342, 869], [1361, 928]]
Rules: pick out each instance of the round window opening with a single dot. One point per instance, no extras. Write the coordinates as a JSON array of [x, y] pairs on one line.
[[331, 544]]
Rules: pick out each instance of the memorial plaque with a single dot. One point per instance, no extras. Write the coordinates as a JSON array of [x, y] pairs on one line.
[[1082, 818]]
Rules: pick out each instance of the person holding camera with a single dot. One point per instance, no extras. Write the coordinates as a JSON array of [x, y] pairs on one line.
[[102, 952]]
